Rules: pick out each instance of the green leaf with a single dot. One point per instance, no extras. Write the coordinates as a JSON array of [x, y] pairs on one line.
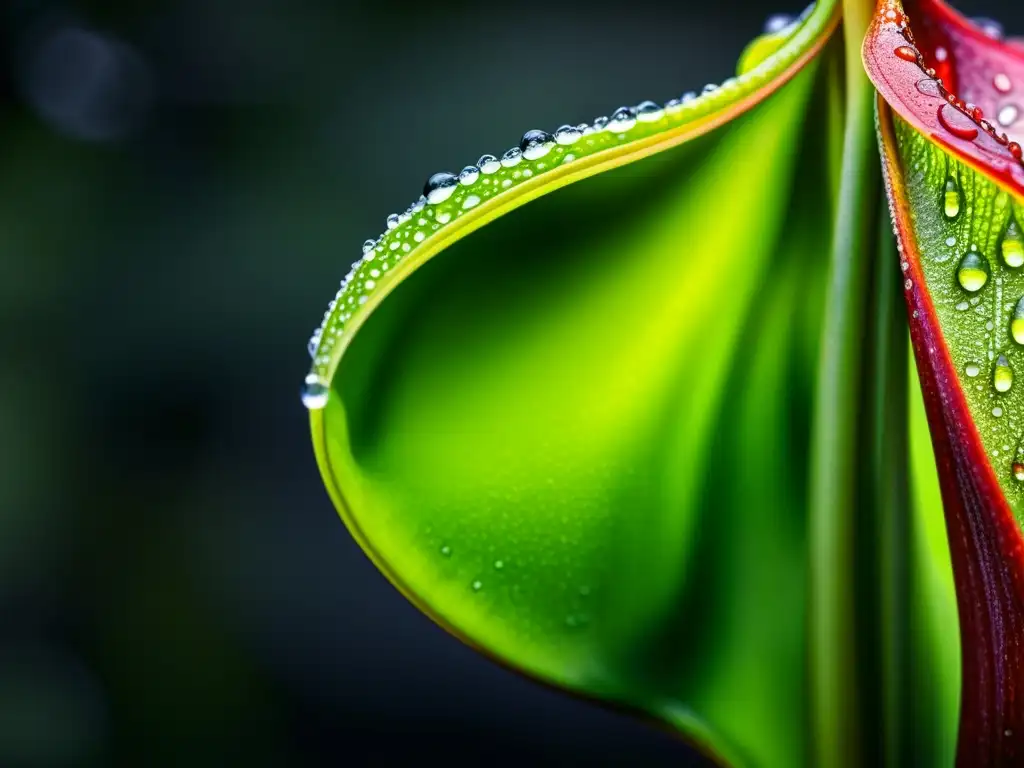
[[955, 187], [579, 439]]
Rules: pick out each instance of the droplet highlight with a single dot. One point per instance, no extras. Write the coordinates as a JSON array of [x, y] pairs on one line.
[[951, 199], [568, 135], [440, 187], [623, 119], [1017, 322], [536, 144], [1002, 375], [315, 392], [973, 272], [1012, 244], [957, 123]]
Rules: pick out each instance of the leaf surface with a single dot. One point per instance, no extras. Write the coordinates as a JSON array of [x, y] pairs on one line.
[[579, 439], [955, 190]]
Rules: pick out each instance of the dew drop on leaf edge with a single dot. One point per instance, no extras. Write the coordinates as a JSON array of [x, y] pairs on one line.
[[315, 392]]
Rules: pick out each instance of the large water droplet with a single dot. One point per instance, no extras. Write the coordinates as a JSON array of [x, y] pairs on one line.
[[469, 175], [1017, 322], [488, 164], [392, 221], [951, 199], [649, 112], [957, 123], [623, 119], [973, 271], [440, 187], [1012, 245], [314, 392], [535, 144], [1002, 374], [600, 123], [512, 158]]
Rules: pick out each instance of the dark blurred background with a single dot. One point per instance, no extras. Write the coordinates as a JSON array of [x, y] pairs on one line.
[[182, 185]]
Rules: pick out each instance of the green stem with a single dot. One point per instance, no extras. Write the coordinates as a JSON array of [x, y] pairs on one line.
[[836, 706], [890, 527]]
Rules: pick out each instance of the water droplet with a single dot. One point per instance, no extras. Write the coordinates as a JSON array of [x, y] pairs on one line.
[[906, 53], [512, 158], [951, 199], [568, 135], [443, 217], [1017, 322], [973, 272], [929, 87], [957, 123], [1002, 83], [392, 221], [314, 392], [440, 187], [997, 412], [649, 112], [687, 97], [1012, 245], [990, 27], [1008, 115], [419, 237], [1018, 468], [313, 343], [369, 245], [499, 564], [972, 370], [446, 551], [623, 119], [488, 164], [535, 144], [471, 201], [1002, 374], [709, 88], [673, 105], [778, 22], [950, 241], [600, 123], [469, 175], [478, 585]]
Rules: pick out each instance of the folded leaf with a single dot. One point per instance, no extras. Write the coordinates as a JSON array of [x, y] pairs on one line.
[[579, 439], [955, 185]]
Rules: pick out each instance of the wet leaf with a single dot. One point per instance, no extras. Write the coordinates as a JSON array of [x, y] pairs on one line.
[[955, 189], [579, 438]]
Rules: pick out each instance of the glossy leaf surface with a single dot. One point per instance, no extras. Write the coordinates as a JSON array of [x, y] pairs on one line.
[[955, 193], [561, 438]]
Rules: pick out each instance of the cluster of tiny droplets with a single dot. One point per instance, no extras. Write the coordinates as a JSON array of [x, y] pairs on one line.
[[449, 196], [1008, 114]]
